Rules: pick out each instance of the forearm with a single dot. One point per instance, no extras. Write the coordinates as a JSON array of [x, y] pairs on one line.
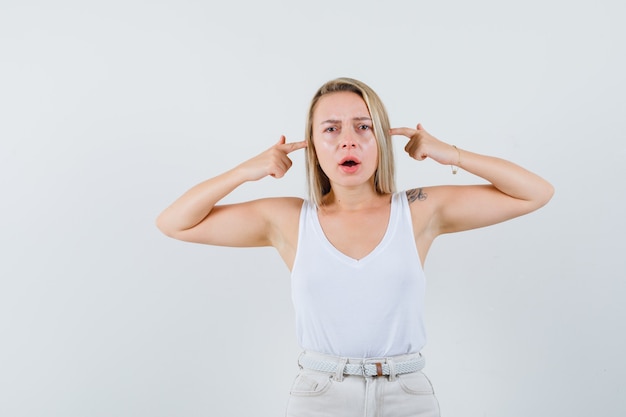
[[196, 204], [507, 177]]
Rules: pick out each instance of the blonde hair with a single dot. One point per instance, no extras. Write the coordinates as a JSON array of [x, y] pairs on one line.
[[384, 177]]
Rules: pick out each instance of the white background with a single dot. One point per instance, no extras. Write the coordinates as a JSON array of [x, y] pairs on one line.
[[109, 110]]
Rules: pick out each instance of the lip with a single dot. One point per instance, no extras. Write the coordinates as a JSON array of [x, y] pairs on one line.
[[349, 158], [349, 169]]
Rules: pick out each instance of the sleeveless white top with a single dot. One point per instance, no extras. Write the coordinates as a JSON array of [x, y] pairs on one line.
[[367, 308]]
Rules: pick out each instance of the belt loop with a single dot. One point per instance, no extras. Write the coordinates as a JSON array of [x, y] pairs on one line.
[[341, 365], [392, 369], [300, 357]]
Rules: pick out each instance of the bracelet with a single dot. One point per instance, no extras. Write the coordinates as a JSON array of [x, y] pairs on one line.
[[455, 168]]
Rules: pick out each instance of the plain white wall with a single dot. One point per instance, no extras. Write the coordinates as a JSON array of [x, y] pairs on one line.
[[110, 110]]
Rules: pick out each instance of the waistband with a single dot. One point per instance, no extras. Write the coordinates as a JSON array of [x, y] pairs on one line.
[[370, 367]]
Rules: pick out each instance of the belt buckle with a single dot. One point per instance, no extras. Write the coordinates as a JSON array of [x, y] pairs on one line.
[[379, 369]]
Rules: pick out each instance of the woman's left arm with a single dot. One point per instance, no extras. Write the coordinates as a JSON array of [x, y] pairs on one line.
[[513, 191]]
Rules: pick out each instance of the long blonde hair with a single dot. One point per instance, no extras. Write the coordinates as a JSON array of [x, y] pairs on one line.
[[384, 177]]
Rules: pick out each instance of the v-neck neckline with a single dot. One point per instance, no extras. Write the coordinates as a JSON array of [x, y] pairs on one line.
[[391, 222]]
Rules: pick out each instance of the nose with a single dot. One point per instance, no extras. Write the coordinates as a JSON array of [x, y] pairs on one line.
[[347, 141]]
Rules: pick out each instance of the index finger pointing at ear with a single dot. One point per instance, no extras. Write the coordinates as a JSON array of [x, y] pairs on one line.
[[403, 131], [293, 146]]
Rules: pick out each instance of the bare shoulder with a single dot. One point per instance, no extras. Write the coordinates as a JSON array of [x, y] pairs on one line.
[[278, 207], [427, 202], [283, 214], [432, 194], [429, 205], [420, 201], [454, 208], [416, 194]]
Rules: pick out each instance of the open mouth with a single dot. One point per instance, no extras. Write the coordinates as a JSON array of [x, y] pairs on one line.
[[349, 163]]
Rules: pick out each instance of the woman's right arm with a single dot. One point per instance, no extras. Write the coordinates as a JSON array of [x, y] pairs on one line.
[[196, 217]]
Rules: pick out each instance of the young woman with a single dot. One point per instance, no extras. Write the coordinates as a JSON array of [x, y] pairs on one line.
[[356, 247]]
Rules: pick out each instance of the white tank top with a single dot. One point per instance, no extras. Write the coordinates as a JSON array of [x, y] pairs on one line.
[[367, 308]]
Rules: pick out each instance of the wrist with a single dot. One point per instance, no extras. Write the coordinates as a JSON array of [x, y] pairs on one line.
[[455, 167]]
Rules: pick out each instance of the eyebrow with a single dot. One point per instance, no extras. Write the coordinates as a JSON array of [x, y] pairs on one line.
[[358, 119]]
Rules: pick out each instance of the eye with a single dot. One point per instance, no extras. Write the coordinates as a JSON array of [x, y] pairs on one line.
[[364, 127], [330, 129]]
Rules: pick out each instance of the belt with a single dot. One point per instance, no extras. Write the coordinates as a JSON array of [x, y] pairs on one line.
[[366, 368]]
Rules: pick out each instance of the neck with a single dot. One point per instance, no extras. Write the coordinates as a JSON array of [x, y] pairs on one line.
[[352, 198]]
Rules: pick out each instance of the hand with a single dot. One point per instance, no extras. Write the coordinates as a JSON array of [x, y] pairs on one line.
[[423, 145], [273, 161]]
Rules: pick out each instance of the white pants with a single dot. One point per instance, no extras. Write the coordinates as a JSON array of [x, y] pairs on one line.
[[324, 394]]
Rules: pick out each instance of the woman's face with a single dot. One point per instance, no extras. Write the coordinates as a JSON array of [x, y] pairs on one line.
[[344, 139]]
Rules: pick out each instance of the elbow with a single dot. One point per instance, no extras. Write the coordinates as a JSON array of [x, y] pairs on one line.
[[548, 193], [544, 194], [161, 226], [169, 226], [165, 228]]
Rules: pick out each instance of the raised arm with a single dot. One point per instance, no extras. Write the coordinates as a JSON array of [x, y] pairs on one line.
[[196, 217], [513, 190]]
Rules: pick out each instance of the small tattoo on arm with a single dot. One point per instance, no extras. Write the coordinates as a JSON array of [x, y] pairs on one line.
[[416, 194]]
